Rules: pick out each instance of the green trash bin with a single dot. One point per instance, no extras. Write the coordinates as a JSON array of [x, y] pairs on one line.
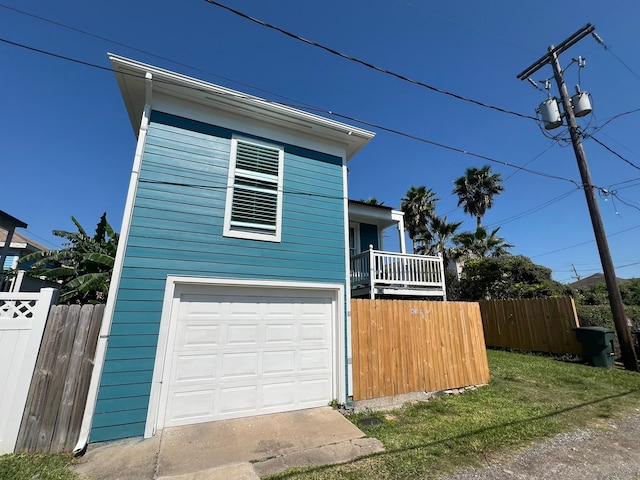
[[597, 345]]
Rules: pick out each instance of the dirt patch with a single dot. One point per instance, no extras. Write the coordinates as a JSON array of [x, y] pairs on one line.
[[591, 454]]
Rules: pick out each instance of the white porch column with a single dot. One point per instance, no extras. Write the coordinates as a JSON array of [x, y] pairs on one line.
[[398, 216]]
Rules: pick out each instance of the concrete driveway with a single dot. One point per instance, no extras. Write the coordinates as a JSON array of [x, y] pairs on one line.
[[244, 448]]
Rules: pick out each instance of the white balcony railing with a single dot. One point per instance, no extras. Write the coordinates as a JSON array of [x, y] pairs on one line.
[[391, 273]]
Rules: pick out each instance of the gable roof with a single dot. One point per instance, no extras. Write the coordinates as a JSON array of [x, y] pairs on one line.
[[131, 74]]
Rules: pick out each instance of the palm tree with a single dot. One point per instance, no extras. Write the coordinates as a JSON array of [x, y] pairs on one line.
[[83, 267], [439, 234], [476, 190], [419, 206], [371, 201], [480, 244]]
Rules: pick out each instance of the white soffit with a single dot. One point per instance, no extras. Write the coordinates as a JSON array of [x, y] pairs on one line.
[[130, 75]]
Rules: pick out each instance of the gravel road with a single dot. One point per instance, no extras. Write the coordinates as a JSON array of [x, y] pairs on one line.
[[598, 454]]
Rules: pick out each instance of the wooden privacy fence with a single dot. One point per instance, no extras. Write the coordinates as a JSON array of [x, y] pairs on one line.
[[58, 393], [403, 346], [536, 325]]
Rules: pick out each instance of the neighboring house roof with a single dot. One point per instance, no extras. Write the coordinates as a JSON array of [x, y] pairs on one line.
[[132, 77], [20, 242], [9, 221]]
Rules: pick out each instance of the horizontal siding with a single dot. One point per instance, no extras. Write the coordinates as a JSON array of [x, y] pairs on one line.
[[114, 431], [127, 366], [123, 404], [176, 229]]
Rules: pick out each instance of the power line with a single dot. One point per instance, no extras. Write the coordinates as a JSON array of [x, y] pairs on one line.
[[625, 182], [146, 52], [454, 149], [533, 210], [582, 243], [627, 202], [41, 238], [608, 49], [315, 109], [531, 161], [367, 64], [616, 117], [610, 150]]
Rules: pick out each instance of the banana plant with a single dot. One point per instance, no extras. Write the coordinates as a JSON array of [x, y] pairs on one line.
[[84, 265]]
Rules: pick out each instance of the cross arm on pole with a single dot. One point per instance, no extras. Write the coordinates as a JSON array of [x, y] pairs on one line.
[[564, 45]]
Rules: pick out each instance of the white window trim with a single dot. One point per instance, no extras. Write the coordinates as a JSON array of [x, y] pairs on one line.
[[228, 229]]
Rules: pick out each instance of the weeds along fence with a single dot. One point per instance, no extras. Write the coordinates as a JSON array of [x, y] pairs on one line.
[[535, 325], [60, 384], [404, 346]]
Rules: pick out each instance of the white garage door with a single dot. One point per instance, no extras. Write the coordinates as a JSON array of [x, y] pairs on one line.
[[242, 351]]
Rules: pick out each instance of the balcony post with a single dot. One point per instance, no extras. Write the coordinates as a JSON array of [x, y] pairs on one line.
[[372, 273], [443, 277]]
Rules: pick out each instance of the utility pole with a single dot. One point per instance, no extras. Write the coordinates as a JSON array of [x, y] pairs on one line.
[[615, 298], [576, 275]]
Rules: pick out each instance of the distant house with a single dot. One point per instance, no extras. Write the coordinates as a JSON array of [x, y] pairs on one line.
[[19, 247], [235, 267], [14, 246]]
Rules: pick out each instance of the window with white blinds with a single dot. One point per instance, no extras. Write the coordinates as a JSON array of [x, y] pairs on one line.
[[254, 193]]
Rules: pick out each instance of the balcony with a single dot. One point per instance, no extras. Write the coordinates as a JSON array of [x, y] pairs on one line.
[[376, 274]]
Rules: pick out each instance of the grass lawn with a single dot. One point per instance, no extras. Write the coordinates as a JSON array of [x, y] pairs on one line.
[[23, 466], [529, 398]]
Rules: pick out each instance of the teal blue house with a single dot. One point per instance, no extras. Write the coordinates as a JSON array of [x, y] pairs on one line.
[[239, 254], [230, 289]]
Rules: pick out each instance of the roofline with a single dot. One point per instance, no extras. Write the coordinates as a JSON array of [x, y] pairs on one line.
[[358, 202], [7, 220], [131, 77]]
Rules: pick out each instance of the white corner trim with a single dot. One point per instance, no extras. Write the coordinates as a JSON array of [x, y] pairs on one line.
[[157, 400], [347, 348], [107, 318]]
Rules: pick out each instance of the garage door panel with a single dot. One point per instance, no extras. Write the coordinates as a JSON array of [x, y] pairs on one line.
[[282, 394], [279, 334], [314, 332], [197, 335], [278, 362], [238, 399], [315, 308], [190, 407], [242, 354], [242, 335], [195, 306], [314, 360], [239, 364], [314, 391], [196, 368]]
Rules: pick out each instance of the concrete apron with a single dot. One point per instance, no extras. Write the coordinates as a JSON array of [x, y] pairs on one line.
[[244, 448]]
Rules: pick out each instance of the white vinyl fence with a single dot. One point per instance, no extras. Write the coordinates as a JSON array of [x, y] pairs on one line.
[[22, 320]]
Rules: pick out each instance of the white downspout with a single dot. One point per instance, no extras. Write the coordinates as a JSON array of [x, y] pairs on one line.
[[107, 318]]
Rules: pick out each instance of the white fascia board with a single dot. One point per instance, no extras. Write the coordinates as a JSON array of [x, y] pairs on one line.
[[130, 75]]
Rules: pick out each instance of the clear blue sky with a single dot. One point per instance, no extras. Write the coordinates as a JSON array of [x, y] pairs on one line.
[[67, 144]]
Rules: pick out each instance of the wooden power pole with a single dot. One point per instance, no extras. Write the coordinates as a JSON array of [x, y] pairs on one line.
[[615, 298]]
